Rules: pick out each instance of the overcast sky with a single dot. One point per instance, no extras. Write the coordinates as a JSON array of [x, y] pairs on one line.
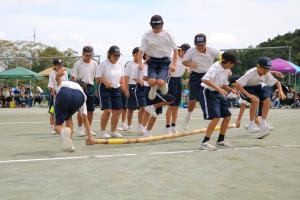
[[75, 23]]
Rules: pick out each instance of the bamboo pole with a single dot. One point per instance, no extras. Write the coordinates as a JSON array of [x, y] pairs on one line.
[[152, 138]]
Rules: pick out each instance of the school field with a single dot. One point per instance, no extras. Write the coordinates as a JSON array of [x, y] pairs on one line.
[[33, 166]]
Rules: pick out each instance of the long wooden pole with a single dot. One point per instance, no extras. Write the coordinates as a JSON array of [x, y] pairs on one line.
[[152, 138]]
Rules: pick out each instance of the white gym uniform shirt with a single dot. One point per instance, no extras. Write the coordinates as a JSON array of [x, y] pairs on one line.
[[112, 72], [252, 78], [85, 72]]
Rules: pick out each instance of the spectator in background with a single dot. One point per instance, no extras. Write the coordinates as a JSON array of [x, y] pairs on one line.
[[275, 100], [6, 96], [17, 95], [290, 97], [2, 102], [28, 97]]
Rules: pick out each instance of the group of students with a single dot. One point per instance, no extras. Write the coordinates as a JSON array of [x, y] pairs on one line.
[[153, 80]]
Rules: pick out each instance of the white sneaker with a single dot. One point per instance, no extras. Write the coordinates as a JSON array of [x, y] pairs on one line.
[[123, 127], [223, 145], [270, 128], [207, 146], [147, 134], [186, 122], [116, 135], [80, 131], [246, 126], [151, 110], [52, 130], [152, 92], [264, 131], [104, 135], [173, 130], [168, 130], [141, 129], [164, 89], [129, 129], [252, 128], [66, 139]]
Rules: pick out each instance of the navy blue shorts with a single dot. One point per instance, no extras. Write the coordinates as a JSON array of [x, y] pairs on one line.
[[110, 98], [90, 101], [195, 85], [158, 68], [141, 96], [213, 105], [175, 89], [262, 93], [132, 99], [67, 102]]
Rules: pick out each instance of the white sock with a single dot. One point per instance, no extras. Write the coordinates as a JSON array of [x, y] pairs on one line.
[[252, 123], [262, 122]]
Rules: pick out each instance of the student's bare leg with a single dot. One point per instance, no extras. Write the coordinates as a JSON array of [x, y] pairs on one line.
[[265, 108], [129, 116], [146, 118], [174, 114], [211, 127], [79, 119], [169, 115], [104, 119], [87, 127], [152, 82], [69, 123], [151, 123], [191, 105], [52, 120], [253, 109], [114, 119], [160, 83], [90, 116], [240, 116], [124, 115], [141, 115], [224, 125]]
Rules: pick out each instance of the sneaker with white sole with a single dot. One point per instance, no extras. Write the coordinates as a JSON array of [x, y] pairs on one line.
[[116, 135], [152, 92], [168, 130], [174, 130], [147, 134], [104, 135], [164, 89], [80, 131], [252, 128], [223, 145], [129, 129], [207, 146], [151, 110], [141, 129], [270, 128], [123, 127], [264, 131]]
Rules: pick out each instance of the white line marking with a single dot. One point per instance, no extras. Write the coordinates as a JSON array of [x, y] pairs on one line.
[[151, 153]]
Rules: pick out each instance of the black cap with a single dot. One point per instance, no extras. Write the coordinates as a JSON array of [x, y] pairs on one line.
[[87, 49], [135, 50], [156, 20], [229, 57], [114, 50], [265, 62], [200, 39], [185, 47], [57, 61]]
